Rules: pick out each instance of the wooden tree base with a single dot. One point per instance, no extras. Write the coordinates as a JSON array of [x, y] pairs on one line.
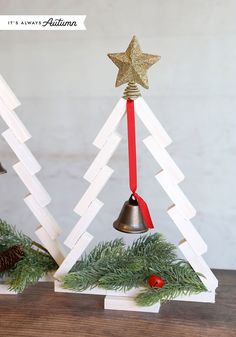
[[120, 300]]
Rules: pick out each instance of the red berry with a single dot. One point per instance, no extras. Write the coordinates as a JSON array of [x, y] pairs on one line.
[[155, 281]]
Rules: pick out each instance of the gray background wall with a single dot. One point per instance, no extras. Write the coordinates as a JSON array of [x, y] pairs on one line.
[[66, 85]]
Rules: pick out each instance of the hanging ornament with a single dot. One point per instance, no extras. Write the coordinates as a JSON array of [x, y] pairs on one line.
[[155, 281], [133, 65], [130, 219], [10, 257], [2, 169]]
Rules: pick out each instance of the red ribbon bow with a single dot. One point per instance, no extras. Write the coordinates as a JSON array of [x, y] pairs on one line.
[[133, 163]]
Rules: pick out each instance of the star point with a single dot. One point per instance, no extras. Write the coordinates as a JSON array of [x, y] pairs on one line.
[[133, 64]]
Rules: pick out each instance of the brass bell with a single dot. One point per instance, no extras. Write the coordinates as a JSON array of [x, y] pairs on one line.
[[2, 169], [130, 219]]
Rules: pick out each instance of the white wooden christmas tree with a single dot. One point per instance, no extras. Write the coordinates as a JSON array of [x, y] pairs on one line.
[[181, 210], [26, 168]]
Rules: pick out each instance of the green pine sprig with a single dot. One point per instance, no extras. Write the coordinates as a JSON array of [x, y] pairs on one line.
[[34, 264], [112, 265]]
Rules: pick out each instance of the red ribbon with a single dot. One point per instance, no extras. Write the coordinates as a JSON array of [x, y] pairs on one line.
[[133, 163]]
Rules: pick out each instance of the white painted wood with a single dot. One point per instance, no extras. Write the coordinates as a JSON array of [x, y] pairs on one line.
[[53, 246], [33, 184], [44, 217], [95, 291], [14, 123], [206, 296], [93, 190], [129, 293], [176, 195], [151, 122], [4, 287], [181, 212], [164, 159], [74, 255], [127, 304], [26, 169], [188, 231], [111, 123], [199, 265], [83, 223], [103, 156], [7, 95], [22, 152], [4, 290], [99, 291]]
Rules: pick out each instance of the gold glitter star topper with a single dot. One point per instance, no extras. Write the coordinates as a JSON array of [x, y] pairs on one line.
[[133, 65]]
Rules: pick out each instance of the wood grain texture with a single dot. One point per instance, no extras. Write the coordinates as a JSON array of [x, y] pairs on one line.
[[41, 312]]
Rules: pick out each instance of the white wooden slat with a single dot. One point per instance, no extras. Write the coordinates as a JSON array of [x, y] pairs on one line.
[[53, 246], [164, 159], [128, 304], [4, 290], [188, 231], [111, 123], [83, 223], [199, 265], [103, 156], [33, 185], [205, 296], [74, 255], [151, 122], [7, 95], [22, 152], [45, 218], [93, 190], [14, 123], [100, 291], [176, 195], [58, 287]]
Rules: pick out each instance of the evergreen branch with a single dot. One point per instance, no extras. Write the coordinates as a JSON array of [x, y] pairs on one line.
[[154, 246], [29, 270], [112, 250], [168, 292], [9, 237], [113, 266], [34, 264], [180, 279]]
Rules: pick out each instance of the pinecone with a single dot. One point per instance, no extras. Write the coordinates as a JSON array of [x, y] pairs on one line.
[[10, 257]]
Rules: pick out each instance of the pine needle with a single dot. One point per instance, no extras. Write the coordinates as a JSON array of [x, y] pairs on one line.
[[34, 264], [111, 265]]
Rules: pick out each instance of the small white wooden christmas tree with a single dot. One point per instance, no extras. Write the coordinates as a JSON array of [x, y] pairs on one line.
[[133, 65], [38, 198]]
